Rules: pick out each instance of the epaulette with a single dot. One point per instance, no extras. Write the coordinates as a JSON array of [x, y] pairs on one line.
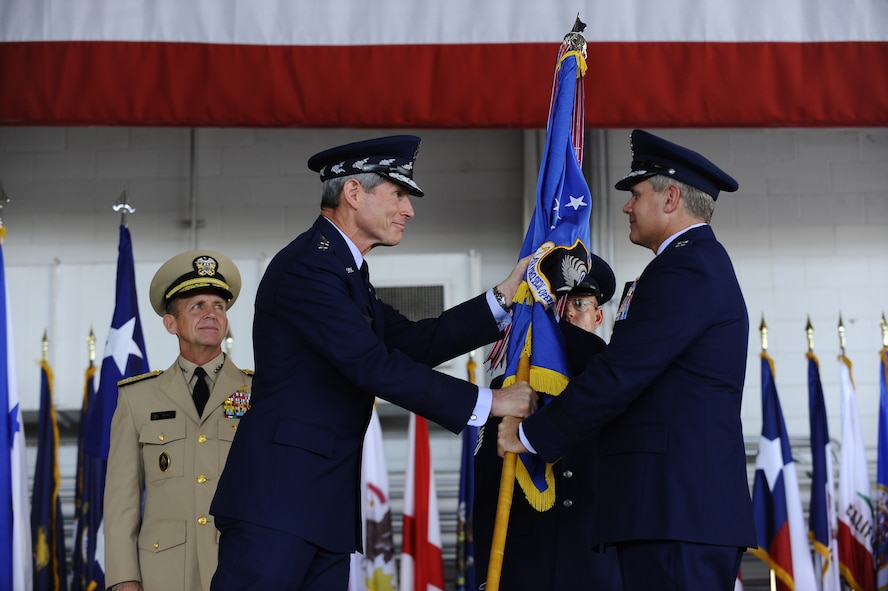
[[248, 372], [139, 378]]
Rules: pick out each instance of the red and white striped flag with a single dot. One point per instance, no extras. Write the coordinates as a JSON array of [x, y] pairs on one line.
[[855, 513], [422, 565], [194, 57]]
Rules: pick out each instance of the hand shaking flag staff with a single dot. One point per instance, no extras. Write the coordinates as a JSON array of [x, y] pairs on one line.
[[534, 347]]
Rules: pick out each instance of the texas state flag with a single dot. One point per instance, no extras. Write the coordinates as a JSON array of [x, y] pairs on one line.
[[779, 520]]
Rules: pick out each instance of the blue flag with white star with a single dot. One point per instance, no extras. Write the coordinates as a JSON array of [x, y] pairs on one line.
[[560, 221], [15, 532], [125, 356], [777, 505]]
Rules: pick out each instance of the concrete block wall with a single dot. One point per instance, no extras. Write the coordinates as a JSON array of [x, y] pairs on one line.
[[807, 231]]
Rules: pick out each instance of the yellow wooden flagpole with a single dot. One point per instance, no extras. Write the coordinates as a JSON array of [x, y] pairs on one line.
[[504, 501]]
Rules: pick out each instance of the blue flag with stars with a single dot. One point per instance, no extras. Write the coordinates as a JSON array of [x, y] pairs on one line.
[[125, 357], [560, 221]]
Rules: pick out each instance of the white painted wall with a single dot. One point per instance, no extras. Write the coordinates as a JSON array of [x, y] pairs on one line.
[[807, 231]]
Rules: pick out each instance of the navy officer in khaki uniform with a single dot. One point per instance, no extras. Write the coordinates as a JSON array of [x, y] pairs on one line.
[[171, 433]]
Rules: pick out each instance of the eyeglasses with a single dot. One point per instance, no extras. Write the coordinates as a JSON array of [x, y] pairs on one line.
[[582, 303]]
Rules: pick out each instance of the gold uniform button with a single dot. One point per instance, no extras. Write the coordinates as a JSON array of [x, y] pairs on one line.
[[156, 545], [160, 437], [202, 520], [234, 427], [201, 479], [201, 438]]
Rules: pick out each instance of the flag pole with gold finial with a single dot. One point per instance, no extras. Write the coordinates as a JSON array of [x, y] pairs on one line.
[[573, 47], [763, 333]]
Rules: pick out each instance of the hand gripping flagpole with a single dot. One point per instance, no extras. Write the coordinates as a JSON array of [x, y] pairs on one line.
[[558, 172]]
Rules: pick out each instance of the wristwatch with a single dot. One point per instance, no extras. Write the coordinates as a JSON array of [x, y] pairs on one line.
[[501, 299]]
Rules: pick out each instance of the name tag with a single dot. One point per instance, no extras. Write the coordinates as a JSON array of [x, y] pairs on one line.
[[166, 414]]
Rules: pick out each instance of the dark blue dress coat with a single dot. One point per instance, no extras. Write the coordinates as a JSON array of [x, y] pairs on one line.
[[324, 347], [666, 395]]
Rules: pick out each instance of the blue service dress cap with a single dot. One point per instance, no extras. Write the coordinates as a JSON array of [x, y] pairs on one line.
[[652, 155], [599, 281], [391, 157]]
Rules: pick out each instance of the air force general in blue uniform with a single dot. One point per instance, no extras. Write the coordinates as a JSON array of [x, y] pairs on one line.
[[288, 502], [666, 391]]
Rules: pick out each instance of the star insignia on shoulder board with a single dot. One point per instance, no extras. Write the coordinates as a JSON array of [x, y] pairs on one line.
[[324, 244]]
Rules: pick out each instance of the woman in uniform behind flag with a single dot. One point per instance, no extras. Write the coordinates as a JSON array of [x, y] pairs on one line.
[[551, 550]]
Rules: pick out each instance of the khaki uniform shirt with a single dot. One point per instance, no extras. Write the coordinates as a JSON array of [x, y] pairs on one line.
[[159, 442]]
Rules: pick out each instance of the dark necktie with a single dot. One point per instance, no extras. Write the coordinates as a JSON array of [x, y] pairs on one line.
[[201, 391], [365, 273]]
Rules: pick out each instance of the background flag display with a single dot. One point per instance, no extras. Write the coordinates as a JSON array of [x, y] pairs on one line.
[[15, 533], [779, 520], [822, 524], [855, 513], [375, 569], [47, 523], [125, 356], [560, 221], [465, 543], [83, 490], [881, 543], [422, 564]]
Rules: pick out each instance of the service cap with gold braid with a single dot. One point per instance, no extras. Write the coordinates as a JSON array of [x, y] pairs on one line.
[[192, 272]]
